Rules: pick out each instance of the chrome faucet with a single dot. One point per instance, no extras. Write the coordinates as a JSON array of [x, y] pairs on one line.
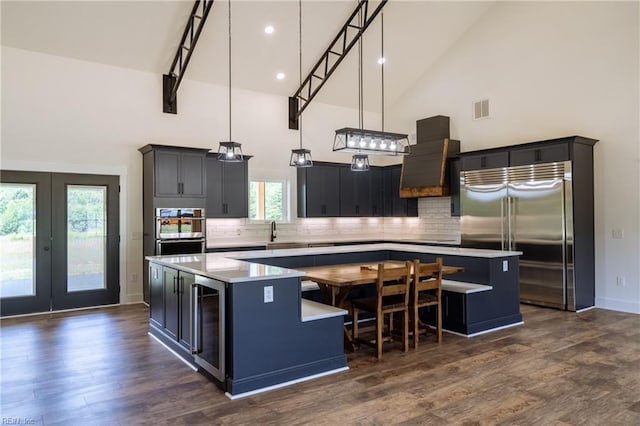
[[273, 231]]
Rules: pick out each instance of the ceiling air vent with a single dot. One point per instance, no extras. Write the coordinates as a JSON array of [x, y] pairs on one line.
[[481, 109]]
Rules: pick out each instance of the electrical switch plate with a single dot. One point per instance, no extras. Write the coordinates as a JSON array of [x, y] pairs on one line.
[[620, 282], [505, 265], [617, 234], [268, 294]]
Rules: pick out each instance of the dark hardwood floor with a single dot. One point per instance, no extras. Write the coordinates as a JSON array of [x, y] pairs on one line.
[[100, 367]]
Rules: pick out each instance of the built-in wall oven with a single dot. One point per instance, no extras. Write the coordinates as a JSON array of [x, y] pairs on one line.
[[180, 231], [208, 343]]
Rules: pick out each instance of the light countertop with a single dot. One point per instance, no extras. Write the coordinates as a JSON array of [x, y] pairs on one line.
[[333, 239], [231, 267]]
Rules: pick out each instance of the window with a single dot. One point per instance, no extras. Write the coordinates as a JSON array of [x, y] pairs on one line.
[[268, 200]]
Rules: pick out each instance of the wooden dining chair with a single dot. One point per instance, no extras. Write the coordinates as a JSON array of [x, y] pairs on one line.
[[392, 295], [426, 290]]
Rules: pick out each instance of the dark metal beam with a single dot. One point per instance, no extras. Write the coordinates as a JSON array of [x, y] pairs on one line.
[[324, 67], [171, 81]]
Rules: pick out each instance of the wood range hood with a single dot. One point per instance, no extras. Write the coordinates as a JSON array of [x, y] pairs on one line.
[[425, 171]]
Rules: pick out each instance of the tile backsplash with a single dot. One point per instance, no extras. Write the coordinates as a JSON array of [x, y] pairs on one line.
[[434, 221]]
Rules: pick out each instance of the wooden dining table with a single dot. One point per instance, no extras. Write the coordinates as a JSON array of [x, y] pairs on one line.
[[337, 281]]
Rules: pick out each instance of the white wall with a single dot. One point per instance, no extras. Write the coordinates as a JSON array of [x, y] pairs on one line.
[[553, 69], [66, 115]]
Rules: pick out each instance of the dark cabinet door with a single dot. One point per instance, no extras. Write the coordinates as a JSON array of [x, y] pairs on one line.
[[491, 160], [167, 173], [355, 193], [542, 154], [179, 174], [321, 191], [214, 188], [454, 186], [156, 295], [186, 280], [170, 280], [235, 190], [377, 191], [227, 189], [395, 206], [192, 175]]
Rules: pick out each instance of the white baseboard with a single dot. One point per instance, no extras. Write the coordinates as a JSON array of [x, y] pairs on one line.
[[133, 298], [632, 307]]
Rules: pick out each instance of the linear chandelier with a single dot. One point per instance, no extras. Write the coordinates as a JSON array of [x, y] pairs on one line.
[[361, 141]]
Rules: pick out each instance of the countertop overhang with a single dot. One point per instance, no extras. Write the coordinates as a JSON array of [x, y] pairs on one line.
[[234, 267]]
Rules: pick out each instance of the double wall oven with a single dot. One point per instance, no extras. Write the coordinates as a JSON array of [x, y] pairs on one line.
[[180, 231]]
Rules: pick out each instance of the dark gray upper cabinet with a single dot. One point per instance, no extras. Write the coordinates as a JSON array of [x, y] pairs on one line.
[[355, 193], [333, 190], [227, 188], [174, 176], [394, 205], [179, 173], [319, 191], [454, 185], [539, 154], [485, 160]]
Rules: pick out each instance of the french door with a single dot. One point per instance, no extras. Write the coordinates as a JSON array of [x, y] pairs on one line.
[[59, 242]]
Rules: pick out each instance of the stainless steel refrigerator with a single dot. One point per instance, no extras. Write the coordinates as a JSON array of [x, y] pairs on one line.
[[529, 209]]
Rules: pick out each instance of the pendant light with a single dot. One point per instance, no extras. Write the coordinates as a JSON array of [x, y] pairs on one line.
[[363, 141], [300, 157], [230, 151], [359, 161]]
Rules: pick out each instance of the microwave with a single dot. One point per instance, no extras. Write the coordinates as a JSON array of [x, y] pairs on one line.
[[179, 224]]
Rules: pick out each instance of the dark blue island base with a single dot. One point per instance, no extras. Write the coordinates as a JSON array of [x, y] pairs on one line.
[[267, 335]]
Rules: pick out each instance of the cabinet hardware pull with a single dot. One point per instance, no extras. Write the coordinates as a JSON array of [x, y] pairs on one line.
[[174, 284], [181, 285]]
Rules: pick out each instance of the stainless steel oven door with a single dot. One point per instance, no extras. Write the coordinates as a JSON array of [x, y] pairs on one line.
[[208, 328], [165, 247]]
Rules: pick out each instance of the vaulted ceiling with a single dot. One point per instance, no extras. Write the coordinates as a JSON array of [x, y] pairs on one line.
[[144, 35]]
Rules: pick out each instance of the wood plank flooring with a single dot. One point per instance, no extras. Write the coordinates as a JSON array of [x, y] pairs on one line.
[[99, 367]]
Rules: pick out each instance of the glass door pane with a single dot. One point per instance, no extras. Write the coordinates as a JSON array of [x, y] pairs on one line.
[[17, 239], [86, 237]]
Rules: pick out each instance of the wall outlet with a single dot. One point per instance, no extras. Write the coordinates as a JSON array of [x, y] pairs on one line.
[[621, 282], [238, 231], [268, 294], [134, 278], [617, 234], [505, 265]]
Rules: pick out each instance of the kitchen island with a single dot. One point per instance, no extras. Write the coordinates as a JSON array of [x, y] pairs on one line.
[[240, 318]]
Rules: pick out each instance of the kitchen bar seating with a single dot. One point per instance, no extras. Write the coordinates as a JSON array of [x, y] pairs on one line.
[[426, 290], [392, 295]]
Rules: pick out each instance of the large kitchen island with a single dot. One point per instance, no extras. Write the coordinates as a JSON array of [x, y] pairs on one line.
[[240, 318]]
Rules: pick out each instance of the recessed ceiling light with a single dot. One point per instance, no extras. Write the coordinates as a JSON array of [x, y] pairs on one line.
[[280, 76], [269, 29], [381, 60]]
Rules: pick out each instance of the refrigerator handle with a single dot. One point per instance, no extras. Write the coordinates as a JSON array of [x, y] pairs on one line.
[[502, 223], [511, 207]]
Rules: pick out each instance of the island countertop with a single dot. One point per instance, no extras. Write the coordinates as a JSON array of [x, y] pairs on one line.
[[232, 267]]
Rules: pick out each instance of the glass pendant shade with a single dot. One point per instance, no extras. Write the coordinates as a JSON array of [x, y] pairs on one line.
[[230, 152], [360, 163], [301, 158], [370, 142]]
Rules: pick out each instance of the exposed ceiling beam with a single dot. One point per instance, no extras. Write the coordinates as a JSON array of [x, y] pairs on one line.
[[338, 49], [171, 81]]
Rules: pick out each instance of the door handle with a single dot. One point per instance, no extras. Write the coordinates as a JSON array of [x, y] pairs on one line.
[[45, 248]]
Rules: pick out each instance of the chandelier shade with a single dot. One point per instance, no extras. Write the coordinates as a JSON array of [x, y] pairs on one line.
[[301, 158], [230, 152], [363, 141], [360, 163]]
